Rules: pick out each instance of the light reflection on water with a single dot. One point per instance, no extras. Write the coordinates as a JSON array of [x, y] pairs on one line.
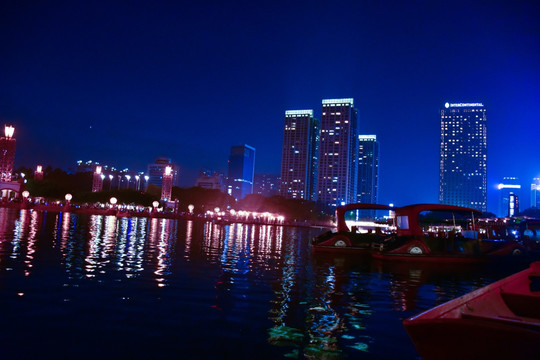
[[249, 290]]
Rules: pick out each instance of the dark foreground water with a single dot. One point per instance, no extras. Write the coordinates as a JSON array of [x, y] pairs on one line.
[[98, 287]]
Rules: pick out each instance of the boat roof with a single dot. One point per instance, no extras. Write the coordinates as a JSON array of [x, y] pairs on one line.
[[417, 208]]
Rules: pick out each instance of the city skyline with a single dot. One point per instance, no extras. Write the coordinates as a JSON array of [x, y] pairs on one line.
[[125, 84]]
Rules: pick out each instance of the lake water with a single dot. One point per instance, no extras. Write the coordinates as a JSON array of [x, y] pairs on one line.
[[87, 287]]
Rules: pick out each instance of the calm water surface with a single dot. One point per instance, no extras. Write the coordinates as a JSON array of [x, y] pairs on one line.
[[80, 286]]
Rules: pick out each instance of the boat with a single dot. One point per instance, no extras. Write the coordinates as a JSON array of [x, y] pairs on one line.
[[498, 321], [447, 233], [359, 227]]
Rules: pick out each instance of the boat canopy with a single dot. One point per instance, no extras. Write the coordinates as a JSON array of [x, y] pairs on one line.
[[407, 217]]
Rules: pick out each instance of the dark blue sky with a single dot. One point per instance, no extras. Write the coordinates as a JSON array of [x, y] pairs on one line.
[[123, 82]]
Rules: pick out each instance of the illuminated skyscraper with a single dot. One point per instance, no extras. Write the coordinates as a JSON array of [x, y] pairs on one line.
[[241, 171], [368, 169], [299, 155], [463, 162], [338, 154], [7, 153], [167, 183], [535, 193], [508, 187]]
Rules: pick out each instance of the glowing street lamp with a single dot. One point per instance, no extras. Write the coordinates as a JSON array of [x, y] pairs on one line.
[[137, 177], [190, 208], [25, 194], [68, 198], [110, 181], [128, 177]]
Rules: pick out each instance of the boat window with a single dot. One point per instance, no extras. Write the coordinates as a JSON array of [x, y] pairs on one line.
[[369, 221], [440, 223], [403, 222]]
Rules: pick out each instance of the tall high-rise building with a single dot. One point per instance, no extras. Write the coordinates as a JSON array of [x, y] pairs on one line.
[[7, 153], [508, 187], [156, 170], [299, 155], [338, 153], [166, 183], [535, 193], [241, 171], [368, 169], [463, 161]]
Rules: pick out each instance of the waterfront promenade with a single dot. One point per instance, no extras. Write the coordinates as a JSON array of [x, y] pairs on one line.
[[224, 217]]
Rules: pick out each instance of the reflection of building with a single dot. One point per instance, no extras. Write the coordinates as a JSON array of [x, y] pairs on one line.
[[241, 171], [156, 170], [368, 169], [338, 151], [463, 161], [299, 155], [266, 184], [7, 153], [211, 180], [508, 186], [535, 193]]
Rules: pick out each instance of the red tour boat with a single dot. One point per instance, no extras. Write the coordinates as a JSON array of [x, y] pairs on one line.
[[500, 321], [359, 226]]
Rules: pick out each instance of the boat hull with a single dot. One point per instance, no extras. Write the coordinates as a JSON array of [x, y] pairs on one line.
[[501, 320]]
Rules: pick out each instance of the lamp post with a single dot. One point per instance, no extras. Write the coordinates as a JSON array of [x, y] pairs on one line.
[[155, 204], [137, 178], [110, 182], [25, 195], [68, 198], [190, 208], [128, 177], [146, 178]]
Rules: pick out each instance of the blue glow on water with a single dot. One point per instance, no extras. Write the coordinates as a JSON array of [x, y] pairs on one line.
[[106, 287]]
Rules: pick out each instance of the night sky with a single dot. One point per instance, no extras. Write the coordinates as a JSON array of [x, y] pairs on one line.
[[124, 82]]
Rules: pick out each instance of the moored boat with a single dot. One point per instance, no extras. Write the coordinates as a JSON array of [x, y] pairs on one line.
[[501, 320], [447, 233], [359, 227]]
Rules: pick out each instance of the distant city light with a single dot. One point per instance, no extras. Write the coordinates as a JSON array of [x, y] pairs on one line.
[[113, 200], [9, 131], [464, 105], [508, 186], [68, 197]]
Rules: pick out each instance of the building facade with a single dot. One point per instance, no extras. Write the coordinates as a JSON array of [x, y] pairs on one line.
[[211, 180], [368, 169], [507, 190], [241, 171], [266, 184], [338, 153], [535, 193], [463, 155], [156, 170], [7, 153], [299, 155]]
